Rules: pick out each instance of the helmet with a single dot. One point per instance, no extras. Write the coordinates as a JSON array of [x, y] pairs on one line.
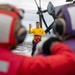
[[65, 22], [64, 25], [10, 24]]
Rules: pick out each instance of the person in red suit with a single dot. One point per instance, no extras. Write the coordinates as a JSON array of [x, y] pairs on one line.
[[60, 59]]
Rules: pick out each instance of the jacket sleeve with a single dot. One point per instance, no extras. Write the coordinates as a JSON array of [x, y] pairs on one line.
[[61, 62], [43, 33], [30, 31]]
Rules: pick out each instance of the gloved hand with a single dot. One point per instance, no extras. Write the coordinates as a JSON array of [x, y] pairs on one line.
[[44, 46]]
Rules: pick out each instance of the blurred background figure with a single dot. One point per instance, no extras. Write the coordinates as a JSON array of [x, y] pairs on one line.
[[37, 35]]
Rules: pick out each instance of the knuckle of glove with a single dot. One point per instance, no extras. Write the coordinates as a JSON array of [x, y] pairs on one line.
[[47, 45]]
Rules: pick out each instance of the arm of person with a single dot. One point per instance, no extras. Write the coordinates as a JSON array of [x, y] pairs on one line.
[[43, 33], [30, 31], [61, 62]]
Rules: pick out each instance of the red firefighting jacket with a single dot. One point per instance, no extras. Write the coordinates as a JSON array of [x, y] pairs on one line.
[[61, 62]]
